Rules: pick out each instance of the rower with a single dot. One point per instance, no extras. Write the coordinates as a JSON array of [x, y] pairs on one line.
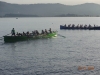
[[37, 32], [27, 33], [46, 31], [34, 33], [50, 30], [65, 25], [90, 26], [42, 32], [24, 34], [94, 25], [17, 34], [20, 34]]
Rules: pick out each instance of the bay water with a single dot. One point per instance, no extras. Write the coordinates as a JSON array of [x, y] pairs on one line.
[[54, 56]]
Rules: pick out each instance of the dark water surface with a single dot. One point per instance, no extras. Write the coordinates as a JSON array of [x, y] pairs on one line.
[[56, 56]]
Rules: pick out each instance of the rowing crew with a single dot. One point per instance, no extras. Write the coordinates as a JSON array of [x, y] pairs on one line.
[[35, 32], [81, 25]]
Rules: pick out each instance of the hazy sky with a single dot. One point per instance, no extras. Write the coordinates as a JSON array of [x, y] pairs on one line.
[[67, 2]]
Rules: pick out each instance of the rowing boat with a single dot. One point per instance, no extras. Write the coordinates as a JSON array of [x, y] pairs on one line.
[[23, 38], [80, 28]]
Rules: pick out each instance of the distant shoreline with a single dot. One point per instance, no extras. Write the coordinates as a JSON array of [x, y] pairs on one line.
[[44, 16], [61, 15], [49, 10]]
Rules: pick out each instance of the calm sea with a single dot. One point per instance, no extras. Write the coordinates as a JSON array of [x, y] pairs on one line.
[[55, 56]]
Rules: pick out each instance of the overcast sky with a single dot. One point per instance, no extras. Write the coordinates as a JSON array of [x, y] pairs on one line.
[[67, 2]]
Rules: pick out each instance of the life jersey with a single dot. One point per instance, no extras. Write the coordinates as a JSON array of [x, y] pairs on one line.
[[13, 31]]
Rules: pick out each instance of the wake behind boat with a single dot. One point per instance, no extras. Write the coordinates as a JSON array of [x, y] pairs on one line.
[[31, 36]]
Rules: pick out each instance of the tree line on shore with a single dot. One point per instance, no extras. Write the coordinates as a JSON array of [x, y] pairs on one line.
[[62, 15]]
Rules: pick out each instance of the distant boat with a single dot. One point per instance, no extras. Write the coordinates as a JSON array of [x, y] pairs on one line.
[[81, 28], [16, 18]]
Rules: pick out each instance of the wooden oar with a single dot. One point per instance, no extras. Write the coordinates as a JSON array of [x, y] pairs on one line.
[[61, 35]]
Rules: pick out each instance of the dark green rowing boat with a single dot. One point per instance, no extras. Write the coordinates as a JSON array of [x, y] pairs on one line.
[[23, 38]]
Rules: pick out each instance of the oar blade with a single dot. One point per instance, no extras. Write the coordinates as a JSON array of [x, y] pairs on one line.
[[61, 35]]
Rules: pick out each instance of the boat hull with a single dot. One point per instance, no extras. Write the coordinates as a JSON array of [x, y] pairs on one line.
[[80, 28], [95, 28], [24, 38]]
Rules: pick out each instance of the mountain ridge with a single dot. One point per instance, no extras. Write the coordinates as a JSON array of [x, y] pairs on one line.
[[50, 9]]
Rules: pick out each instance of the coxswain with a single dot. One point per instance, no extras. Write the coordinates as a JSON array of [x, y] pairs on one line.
[[13, 32]]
